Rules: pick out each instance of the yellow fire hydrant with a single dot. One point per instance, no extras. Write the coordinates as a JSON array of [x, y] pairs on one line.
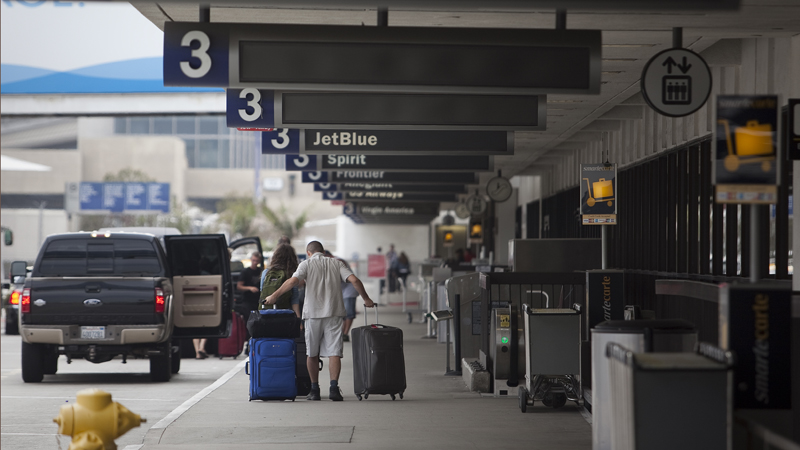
[[94, 421]]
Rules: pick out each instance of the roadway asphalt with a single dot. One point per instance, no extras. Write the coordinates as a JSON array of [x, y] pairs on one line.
[[437, 412]]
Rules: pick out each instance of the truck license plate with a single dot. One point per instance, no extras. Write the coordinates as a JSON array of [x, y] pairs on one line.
[[93, 332]]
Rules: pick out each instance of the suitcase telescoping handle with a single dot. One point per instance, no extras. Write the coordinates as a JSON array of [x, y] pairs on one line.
[[376, 314]]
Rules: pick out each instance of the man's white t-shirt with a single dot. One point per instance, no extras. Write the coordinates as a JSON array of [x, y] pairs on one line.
[[324, 277]]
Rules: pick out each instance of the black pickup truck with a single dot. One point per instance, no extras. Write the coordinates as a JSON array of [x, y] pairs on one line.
[[103, 294]]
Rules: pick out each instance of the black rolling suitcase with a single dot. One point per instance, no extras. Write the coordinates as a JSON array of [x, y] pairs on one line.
[[379, 366], [303, 378]]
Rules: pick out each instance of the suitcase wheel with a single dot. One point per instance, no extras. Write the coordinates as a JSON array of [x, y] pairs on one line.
[[401, 396], [392, 396], [359, 397], [366, 396]]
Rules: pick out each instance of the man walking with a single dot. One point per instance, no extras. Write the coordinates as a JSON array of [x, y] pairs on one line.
[[324, 312]]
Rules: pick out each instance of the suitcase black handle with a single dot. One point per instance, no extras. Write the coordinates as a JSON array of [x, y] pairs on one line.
[[247, 368], [375, 306]]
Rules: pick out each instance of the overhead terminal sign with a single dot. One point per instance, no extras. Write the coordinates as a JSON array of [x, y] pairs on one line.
[[343, 176], [387, 209], [354, 112], [427, 142], [382, 59], [676, 82], [332, 196], [397, 196], [392, 111], [253, 109], [395, 163], [391, 213], [746, 149], [388, 187]]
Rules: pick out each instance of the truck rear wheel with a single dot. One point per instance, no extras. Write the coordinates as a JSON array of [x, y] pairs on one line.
[[50, 363], [161, 365], [176, 359], [32, 363]]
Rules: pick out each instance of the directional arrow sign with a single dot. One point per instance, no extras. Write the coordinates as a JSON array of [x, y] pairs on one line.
[[395, 163], [676, 82]]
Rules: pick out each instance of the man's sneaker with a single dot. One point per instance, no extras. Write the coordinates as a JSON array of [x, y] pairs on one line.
[[346, 338], [336, 394], [313, 395]]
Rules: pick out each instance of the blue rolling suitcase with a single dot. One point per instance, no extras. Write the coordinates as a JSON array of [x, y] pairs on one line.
[[272, 369]]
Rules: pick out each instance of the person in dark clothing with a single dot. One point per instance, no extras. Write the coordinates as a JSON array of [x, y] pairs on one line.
[[250, 285], [402, 268]]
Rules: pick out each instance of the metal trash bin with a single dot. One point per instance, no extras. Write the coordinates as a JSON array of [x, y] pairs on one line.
[[552, 356], [668, 401], [640, 336]]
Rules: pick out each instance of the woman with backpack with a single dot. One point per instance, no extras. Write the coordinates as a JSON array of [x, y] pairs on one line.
[[281, 267]]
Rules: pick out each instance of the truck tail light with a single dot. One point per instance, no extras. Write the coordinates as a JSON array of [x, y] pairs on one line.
[[25, 301], [159, 301], [14, 300]]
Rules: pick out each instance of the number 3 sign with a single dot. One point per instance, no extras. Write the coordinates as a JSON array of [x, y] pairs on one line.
[[250, 108], [195, 54]]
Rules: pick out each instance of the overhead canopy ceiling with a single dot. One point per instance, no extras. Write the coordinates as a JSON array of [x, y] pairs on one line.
[[629, 39]]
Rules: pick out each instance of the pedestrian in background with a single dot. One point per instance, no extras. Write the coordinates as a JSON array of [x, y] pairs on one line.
[[402, 267], [391, 260], [323, 313], [249, 284]]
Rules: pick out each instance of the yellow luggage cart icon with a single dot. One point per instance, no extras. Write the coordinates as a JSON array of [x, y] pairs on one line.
[[753, 145], [601, 190]]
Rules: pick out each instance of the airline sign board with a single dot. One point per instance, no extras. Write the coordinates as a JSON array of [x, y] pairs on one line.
[[357, 58], [395, 163]]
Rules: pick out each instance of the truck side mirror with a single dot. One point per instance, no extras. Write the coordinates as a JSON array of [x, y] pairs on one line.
[[8, 236], [18, 269]]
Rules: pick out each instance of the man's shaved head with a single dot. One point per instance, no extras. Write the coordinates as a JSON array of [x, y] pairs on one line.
[[314, 247]]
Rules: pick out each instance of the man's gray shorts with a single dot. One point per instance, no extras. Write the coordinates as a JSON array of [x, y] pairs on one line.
[[324, 337]]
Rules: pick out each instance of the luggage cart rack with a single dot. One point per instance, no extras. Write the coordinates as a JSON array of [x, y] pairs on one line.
[[551, 390], [552, 346]]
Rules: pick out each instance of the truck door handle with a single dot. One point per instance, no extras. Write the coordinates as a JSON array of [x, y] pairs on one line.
[[92, 289]]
